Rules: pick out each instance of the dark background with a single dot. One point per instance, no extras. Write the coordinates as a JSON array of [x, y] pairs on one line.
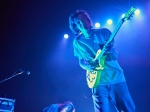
[[31, 38]]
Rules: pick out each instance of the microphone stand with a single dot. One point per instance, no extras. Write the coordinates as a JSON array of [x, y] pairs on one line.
[[15, 74]]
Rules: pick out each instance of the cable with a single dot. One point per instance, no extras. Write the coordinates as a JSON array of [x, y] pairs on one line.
[[84, 94]]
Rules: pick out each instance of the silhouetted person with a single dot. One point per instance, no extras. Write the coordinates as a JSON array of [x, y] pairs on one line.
[[67, 106]]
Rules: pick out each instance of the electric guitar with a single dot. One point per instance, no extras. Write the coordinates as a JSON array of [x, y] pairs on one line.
[[93, 77]]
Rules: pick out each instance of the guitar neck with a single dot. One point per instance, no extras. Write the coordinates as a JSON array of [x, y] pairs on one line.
[[115, 32], [110, 39]]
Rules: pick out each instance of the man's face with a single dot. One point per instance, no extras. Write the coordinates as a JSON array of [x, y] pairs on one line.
[[83, 23]]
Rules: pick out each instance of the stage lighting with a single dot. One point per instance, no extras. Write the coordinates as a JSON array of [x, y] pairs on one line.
[[97, 25], [123, 15], [66, 36], [137, 12], [109, 21]]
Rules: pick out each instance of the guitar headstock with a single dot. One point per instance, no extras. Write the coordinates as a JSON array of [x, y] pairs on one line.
[[129, 14]]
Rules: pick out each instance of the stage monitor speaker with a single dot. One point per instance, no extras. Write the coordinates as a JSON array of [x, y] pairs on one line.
[[7, 105]]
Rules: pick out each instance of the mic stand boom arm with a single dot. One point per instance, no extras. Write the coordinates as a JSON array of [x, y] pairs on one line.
[[15, 74]]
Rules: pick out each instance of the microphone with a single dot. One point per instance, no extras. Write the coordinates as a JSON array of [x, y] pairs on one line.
[[23, 71]]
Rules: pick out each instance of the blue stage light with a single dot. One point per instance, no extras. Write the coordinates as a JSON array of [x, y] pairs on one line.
[[137, 12], [66, 36], [123, 15], [97, 25], [109, 21]]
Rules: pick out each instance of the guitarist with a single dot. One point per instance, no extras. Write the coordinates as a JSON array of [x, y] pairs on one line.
[[112, 87]]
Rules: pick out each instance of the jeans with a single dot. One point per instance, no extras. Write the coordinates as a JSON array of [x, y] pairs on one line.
[[112, 94]]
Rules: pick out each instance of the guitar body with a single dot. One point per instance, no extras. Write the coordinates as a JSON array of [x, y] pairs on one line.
[[93, 77]]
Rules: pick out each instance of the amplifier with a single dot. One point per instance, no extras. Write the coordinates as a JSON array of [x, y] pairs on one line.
[[7, 105]]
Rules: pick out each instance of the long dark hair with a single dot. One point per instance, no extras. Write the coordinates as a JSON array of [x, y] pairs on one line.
[[72, 24]]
